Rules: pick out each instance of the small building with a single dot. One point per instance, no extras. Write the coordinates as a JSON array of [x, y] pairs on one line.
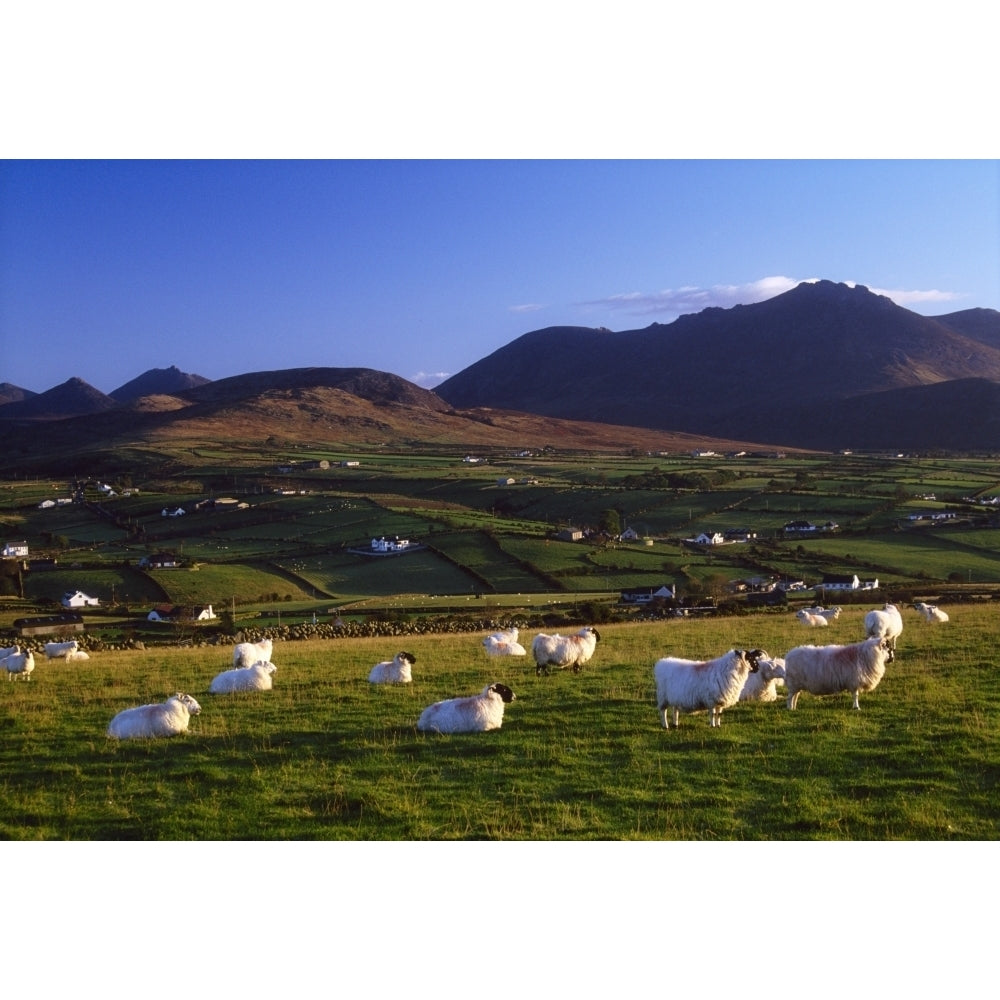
[[833, 582], [181, 613], [160, 560], [78, 599], [15, 550], [394, 544], [172, 512], [569, 535], [63, 624], [707, 538], [798, 527], [646, 595]]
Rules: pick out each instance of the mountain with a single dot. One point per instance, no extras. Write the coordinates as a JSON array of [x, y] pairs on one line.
[[10, 393], [155, 382], [795, 370], [71, 399]]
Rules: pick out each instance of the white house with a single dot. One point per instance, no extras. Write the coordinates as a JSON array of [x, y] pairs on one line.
[[15, 550], [715, 538], [172, 512], [173, 613], [394, 544], [645, 595], [78, 599]]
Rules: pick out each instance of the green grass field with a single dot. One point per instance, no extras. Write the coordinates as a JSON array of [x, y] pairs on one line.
[[326, 756]]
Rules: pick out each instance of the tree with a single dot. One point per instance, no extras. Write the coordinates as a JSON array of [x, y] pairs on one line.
[[611, 522]]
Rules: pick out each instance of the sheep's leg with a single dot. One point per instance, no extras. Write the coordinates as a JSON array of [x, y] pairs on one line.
[[663, 717], [856, 704], [677, 718], [793, 698]]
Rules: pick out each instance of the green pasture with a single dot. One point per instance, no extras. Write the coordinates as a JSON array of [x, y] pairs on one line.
[[326, 756]]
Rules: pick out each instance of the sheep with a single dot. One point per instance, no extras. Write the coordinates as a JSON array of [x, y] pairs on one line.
[[394, 671], [807, 618], [246, 654], [20, 663], [931, 612], [830, 614], [167, 718], [564, 651], [77, 654], [504, 643], [830, 669], [255, 678], [763, 685], [884, 623], [54, 650], [693, 685], [475, 714]]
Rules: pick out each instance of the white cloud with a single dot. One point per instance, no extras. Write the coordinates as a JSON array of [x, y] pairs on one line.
[[428, 380], [526, 308]]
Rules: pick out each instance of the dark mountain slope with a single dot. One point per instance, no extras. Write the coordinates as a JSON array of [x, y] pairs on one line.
[[978, 324], [156, 382], [73, 398], [10, 393]]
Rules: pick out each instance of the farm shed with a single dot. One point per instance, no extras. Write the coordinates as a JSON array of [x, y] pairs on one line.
[[48, 625]]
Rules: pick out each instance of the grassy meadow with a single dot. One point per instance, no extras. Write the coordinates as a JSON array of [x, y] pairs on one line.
[[326, 756]]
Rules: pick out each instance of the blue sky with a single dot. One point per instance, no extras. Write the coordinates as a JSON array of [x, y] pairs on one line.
[[422, 267]]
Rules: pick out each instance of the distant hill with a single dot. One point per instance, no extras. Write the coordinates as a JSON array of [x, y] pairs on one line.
[[794, 370], [71, 399], [13, 393], [156, 382]]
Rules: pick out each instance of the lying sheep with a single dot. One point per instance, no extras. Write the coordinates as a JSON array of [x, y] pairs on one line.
[[504, 643], [168, 718], [394, 671], [931, 612], [830, 614], [831, 669], [475, 714], [564, 651], [19, 663], [255, 678], [884, 623], [77, 654], [54, 650], [246, 654], [763, 685], [697, 685], [808, 618]]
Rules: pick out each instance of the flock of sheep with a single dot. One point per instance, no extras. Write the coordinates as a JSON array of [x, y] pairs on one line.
[[682, 685]]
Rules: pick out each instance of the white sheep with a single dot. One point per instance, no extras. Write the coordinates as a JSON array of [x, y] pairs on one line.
[[884, 623], [255, 678], [698, 685], [763, 685], [55, 650], [564, 651], [808, 618], [394, 671], [77, 654], [504, 643], [474, 714], [167, 718], [831, 669], [19, 663], [830, 614], [931, 612], [246, 654]]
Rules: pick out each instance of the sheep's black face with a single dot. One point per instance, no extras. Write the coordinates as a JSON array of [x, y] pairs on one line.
[[408, 658], [754, 656], [505, 692], [596, 634]]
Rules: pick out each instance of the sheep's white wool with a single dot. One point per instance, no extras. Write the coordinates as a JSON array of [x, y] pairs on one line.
[[246, 654], [564, 651], [886, 623], [394, 671], [53, 650], [763, 685], [831, 669], [504, 644], [698, 685], [255, 678], [808, 618], [474, 714], [77, 654], [18, 664], [169, 718], [931, 612], [830, 614]]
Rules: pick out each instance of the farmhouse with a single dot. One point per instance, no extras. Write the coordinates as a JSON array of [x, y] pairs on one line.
[[172, 512], [160, 560], [831, 581], [569, 535], [78, 599], [15, 550], [178, 613], [645, 595], [705, 538], [394, 544], [797, 527]]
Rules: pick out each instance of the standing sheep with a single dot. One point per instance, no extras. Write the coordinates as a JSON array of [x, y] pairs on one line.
[[697, 685], [54, 650], [931, 612], [394, 671], [886, 623], [475, 714], [255, 678], [246, 654], [19, 663], [831, 669], [564, 651], [167, 718], [763, 685]]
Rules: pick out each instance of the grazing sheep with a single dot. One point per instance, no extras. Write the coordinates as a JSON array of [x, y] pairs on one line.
[[394, 671], [830, 614], [564, 651], [696, 685], [886, 623], [763, 685], [475, 714], [54, 650], [246, 654], [19, 663], [830, 669], [167, 718], [77, 654], [504, 643], [255, 678], [807, 618], [931, 612]]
